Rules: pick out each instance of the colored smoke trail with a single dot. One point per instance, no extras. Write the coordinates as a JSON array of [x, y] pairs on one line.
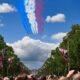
[[30, 9], [39, 9]]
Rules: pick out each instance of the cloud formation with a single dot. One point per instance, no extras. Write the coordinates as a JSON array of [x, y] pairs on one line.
[[34, 51], [6, 8], [59, 36], [56, 18]]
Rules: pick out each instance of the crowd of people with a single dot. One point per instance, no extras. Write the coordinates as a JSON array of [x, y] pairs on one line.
[[72, 75]]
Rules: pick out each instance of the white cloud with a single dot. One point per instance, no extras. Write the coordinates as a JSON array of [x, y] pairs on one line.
[[5, 8], [59, 36], [56, 18], [32, 50]]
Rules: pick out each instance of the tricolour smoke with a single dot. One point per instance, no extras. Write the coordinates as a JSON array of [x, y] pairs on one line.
[[38, 12], [30, 9]]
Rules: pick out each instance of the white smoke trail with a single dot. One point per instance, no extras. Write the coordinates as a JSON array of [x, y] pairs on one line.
[[30, 10]]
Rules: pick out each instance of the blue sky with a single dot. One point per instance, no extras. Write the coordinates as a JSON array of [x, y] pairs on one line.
[[12, 29]]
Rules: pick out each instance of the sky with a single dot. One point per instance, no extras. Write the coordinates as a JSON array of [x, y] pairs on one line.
[[33, 49]]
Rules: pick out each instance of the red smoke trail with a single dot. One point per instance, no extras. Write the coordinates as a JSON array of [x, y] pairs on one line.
[[39, 9]]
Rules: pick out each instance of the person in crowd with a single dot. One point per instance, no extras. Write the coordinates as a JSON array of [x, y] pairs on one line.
[[50, 77], [22, 77], [76, 76], [43, 78], [1, 78], [12, 78], [63, 78], [71, 73], [32, 77], [6, 78]]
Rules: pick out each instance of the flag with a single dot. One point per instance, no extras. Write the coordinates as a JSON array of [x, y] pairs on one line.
[[31, 15], [64, 53], [1, 60]]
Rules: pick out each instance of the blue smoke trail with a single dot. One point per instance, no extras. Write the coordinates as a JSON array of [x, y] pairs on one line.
[[21, 8]]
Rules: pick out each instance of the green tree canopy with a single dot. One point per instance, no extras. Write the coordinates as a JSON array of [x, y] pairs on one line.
[[16, 67], [71, 42]]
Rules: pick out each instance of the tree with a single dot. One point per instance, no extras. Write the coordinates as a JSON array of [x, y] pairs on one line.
[[71, 42], [10, 68]]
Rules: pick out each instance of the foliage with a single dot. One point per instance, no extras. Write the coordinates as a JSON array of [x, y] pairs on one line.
[[16, 67], [57, 65]]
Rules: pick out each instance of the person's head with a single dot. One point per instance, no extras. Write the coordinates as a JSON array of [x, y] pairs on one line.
[[43, 78], [22, 77], [33, 78], [63, 78], [6, 78], [50, 77], [76, 76], [12, 78]]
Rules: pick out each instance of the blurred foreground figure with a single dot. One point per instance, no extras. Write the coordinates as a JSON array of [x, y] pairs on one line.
[[12, 78], [52, 77], [1, 78], [70, 73], [76, 76], [6, 78], [43, 78], [21, 77], [31, 77], [63, 78]]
